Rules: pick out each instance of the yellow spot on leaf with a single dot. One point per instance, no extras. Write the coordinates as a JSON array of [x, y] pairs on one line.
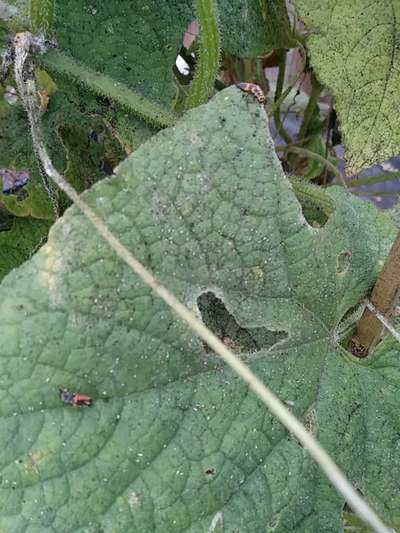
[[258, 272]]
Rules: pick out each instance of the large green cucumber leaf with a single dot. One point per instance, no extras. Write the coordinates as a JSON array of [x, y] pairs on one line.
[[173, 436], [353, 48]]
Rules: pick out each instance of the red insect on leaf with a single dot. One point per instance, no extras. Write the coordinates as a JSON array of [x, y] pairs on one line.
[[75, 398], [252, 88]]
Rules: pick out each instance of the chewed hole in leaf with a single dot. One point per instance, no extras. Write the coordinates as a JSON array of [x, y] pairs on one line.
[[224, 325], [343, 263], [316, 205], [314, 216]]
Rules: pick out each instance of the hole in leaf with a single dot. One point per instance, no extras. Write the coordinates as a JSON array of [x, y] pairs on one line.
[[217, 318], [316, 205], [210, 472], [314, 216], [21, 195], [343, 263]]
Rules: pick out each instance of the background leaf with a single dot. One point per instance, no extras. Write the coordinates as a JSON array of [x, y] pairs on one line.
[[173, 436], [16, 153], [19, 239], [354, 53], [252, 28]]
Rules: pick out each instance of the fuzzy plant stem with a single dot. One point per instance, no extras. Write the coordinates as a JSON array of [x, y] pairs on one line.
[[278, 92], [209, 54], [313, 194], [41, 14], [371, 180], [316, 89], [309, 153]]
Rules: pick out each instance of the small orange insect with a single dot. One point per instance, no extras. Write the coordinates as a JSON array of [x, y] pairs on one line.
[[252, 88], [74, 398]]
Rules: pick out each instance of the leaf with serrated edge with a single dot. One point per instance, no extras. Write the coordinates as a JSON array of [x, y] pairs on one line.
[[354, 52], [173, 437]]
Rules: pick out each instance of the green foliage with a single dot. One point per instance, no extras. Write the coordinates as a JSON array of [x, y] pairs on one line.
[[67, 133], [63, 65], [252, 28], [19, 238], [41, 16], [313, 167], [134, 43], [208, 53], [317, 205], [173, 437], [356, 56], [113, 64], [174, 442], [16, 152]]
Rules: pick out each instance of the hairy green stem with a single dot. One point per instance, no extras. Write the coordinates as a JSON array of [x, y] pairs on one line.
[[278, 92], [249, 69], [209, 53], [301, 72], [260, 76], [67, 67], [41, 15], [313, 194], [313, 155], [277, 104], [386, 194], [370, 180], [316, 89]]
